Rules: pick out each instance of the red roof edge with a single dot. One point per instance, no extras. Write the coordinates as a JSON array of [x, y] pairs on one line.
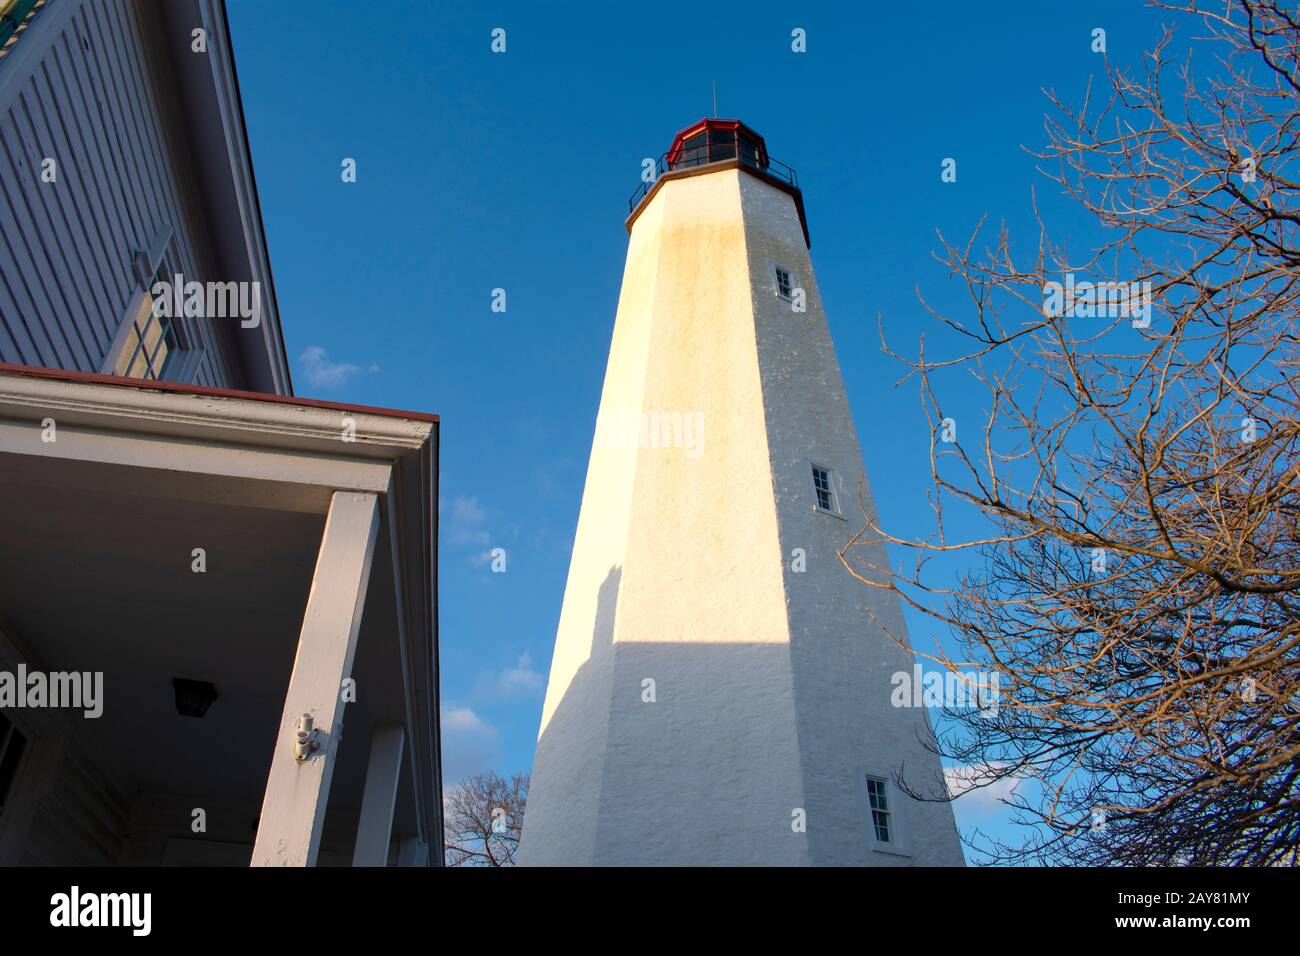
[[180, 388]]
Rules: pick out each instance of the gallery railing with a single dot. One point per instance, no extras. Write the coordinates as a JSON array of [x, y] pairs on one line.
[[706, 155]]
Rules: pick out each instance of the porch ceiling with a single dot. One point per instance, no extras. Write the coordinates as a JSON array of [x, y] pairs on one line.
[[103, 582], [96, 551]]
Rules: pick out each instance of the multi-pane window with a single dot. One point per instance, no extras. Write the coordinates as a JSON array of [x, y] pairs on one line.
[[149, 342], [881, 816], [784, 287], [12, 745], [822, 485]]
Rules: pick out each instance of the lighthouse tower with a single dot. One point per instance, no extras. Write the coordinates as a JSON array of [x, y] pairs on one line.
[[719, 692]]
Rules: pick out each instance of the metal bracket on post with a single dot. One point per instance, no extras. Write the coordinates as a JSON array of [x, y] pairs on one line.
[[308, 741]]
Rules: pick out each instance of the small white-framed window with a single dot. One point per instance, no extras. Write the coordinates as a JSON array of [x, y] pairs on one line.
[[825, 496], [784, 281], [882, 811]]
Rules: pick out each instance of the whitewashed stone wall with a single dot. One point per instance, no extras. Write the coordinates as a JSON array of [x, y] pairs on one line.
[[771, 687]]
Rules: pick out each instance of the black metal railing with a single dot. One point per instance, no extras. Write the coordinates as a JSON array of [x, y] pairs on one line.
[[707, 155]]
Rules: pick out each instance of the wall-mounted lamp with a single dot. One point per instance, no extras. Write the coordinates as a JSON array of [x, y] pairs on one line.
[[193, 697]]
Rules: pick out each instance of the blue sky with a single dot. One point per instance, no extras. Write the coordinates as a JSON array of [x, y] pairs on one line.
[[478, 170]]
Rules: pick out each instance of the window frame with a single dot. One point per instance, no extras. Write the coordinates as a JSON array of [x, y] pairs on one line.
[[833, 488], [777, 271], [157, 264], [878, 790], [899, 845], [134, 335]]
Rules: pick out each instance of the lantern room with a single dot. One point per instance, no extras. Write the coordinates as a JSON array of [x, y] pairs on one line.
[[715, 145], [715, 140]]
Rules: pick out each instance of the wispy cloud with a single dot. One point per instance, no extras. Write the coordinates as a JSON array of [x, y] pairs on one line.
[[977, 790], [469, 743], [322, 372], [462, 720], [465, 529], [467, 510], [510, 683]]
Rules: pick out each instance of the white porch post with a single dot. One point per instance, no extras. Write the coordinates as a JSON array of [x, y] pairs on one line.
[[293, 809], [375, 828]]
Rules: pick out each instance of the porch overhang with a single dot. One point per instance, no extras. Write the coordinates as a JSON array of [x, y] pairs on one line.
[[310, 485]]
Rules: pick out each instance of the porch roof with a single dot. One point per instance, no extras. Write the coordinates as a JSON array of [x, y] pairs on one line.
[[211, 459]]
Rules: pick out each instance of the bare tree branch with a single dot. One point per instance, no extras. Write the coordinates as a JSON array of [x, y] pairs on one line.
[[483, 819], [1136, 585]]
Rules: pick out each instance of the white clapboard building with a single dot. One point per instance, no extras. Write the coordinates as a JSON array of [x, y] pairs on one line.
[[718, 695], [200, 574]]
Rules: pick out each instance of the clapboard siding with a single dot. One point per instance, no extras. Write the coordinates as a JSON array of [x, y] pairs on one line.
[[90, 103]]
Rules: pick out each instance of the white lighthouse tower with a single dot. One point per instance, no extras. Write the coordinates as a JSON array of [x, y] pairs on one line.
[[718, 694]]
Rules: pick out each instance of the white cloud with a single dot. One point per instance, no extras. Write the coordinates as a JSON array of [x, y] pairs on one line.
[[465, 528], [321, 372], [964, 784], [512, 682], [467, 510], [470, 744], [462, 720]]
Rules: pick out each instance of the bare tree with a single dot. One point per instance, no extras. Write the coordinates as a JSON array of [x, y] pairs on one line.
[[1133, 470], [483, 818]]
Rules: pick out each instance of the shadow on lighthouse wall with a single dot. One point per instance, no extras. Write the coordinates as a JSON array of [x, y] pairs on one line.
[[565, 789], [689, 752]]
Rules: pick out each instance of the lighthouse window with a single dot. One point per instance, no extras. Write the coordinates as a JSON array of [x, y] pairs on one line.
[[881, 822], [784, 287], [695, 151], [822, 485], [722, 145]]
